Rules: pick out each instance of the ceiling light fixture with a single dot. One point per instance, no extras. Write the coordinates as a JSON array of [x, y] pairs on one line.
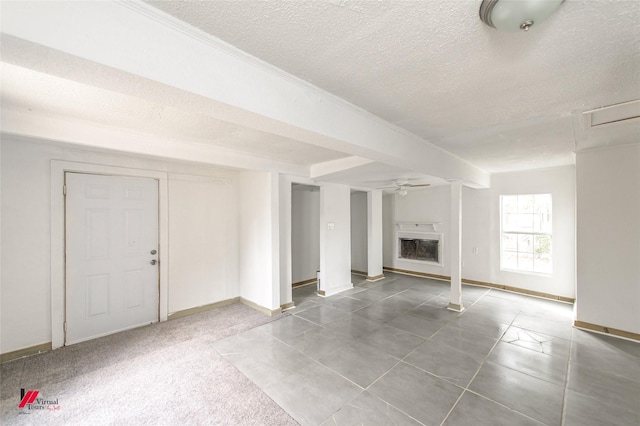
[[514, 15]]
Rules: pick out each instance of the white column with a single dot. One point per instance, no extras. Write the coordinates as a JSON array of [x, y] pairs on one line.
[[335, 239], [374, 235], [455, 247], [274, 179], [286, 294]]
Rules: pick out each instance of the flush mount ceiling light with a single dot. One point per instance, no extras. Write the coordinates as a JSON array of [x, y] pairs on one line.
[[515, 15]]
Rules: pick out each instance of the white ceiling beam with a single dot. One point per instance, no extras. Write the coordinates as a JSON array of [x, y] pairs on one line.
[[80, 132], [141, 40], [335, 166]]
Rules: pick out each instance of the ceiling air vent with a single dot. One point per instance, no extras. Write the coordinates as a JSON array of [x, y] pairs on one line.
[[613, 114]]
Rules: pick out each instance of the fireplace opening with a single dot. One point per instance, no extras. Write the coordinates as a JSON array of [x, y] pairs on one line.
[[418, 249]]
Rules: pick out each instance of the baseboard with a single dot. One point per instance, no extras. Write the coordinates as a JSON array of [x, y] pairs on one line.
[[332, 291], [21, 353], [455, 307], [520, 290], [376, 278], [418, 274], [485, 284], [287, 306], [607, 330], [204, 308], [354, 272], [305, 282], [46, 347], [261, 309]]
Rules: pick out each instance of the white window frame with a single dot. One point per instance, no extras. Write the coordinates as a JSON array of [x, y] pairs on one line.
[[532, 233]]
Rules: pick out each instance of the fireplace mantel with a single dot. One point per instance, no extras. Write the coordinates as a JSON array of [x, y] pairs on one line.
[[418, 226]]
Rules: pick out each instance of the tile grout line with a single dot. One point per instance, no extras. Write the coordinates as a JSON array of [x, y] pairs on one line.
[[466, 388], [566, 385], [385, 401], [504, 406], [402, 360], [366, 389]]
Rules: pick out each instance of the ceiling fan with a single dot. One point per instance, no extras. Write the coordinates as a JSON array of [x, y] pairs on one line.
[[402, 185]]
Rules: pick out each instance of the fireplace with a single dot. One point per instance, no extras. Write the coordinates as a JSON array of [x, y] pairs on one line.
[[419, 249], [419, 243]]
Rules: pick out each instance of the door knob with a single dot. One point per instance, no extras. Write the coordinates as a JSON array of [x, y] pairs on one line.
[[153, 261]]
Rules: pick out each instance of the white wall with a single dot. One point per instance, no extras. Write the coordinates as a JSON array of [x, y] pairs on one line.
[[359, 238], [561, 184], [335, 243], [608, 197], [203, 233], [481, 228], [478, 231], [259, 257], [305, 232], [26, 234], [423, 205]]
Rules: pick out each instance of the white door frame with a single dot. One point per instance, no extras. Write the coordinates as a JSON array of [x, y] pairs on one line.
[[58, 169]]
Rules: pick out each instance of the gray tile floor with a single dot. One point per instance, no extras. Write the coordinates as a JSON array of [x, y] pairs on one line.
[[390, 353]]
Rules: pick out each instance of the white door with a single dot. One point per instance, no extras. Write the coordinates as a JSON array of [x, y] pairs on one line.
[[111, 254]]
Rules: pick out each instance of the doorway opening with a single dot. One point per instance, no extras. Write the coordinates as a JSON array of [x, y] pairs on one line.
[[359, 234], [305, 236]]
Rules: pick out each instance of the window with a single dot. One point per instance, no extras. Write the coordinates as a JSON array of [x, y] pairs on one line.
[[525, 228]]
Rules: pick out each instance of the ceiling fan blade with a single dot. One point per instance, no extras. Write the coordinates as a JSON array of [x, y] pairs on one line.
[[420, 184], [387, 187]]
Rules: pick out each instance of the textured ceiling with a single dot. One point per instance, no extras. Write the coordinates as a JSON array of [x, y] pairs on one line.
[[503, 101]]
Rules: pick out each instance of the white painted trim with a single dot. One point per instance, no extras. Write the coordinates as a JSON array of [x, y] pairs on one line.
[[58, 169]]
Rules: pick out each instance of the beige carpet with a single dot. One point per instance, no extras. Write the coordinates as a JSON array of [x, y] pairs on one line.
[[162, 374]]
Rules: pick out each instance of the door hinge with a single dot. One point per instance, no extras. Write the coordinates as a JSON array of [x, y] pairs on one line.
[[65, 326], [64, 189]]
